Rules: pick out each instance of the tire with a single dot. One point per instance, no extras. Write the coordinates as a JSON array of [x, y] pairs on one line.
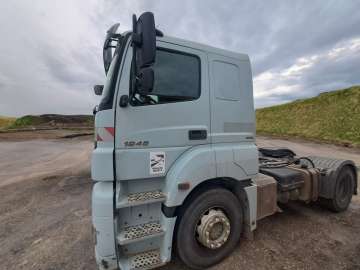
[[344, 189], [194, 254]]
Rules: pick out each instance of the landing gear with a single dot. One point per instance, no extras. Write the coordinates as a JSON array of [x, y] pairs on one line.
[[209, 228]]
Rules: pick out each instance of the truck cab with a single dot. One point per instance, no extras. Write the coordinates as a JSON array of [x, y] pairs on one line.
[[175, 161], [195, 128]]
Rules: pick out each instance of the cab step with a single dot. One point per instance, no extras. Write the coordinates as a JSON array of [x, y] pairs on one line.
[[140, 198], [146, 260], [140, 232]]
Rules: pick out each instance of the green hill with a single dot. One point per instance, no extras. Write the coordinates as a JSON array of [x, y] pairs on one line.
[[51, 120], [6, 121], [330, 117]]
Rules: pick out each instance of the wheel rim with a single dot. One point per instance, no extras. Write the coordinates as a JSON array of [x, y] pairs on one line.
[[213, 229]]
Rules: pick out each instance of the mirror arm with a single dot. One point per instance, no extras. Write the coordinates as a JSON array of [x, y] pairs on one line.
[[136, 39], [133, 75], [159, 33]]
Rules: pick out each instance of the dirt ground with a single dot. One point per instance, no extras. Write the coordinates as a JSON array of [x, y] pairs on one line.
[[45, 221]]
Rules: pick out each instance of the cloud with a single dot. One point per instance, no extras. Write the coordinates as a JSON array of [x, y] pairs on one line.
[[51, 51], [329, 70]]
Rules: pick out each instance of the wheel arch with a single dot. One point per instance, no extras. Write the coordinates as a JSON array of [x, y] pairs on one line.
[[231, 184], [243, 190]]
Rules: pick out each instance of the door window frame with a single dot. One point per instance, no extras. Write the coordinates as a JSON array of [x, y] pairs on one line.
[[162, 48]]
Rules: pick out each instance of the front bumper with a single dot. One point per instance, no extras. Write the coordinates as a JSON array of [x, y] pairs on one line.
[[103, 222], [106, 263]]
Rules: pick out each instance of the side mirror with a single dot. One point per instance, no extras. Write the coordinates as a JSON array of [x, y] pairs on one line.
[[98, 89], [145, 81], [144, 52], [144, 40]]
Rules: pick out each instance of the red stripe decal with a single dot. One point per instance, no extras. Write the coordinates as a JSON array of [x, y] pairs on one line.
[[98, 138], [111, 130]]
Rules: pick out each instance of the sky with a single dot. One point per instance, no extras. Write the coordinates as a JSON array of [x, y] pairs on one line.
[[51, 51]]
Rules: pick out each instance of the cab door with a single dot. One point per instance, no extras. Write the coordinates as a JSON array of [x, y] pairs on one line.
[[176, 118]]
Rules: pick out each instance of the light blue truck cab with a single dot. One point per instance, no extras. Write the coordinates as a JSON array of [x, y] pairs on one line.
[[175, 162]]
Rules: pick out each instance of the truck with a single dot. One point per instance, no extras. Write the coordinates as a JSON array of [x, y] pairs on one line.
[[176, 163]]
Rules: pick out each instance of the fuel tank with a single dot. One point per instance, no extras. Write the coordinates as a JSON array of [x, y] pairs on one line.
[[295, 182]]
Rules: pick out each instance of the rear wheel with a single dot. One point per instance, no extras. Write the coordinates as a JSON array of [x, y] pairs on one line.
[[344, 189], [209, 228]]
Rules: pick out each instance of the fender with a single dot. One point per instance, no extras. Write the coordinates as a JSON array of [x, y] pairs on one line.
[[329, 177], [205, 162], [193, 166]]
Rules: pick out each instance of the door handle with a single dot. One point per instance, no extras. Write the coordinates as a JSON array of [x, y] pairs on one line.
[[197, 134]]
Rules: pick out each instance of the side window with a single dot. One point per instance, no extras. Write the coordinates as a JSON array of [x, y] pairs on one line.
[[177, 77], [226, 80]]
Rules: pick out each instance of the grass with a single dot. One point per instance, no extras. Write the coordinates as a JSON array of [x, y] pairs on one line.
[[6, 121], [330, 117], [51, 120], [26, 121]]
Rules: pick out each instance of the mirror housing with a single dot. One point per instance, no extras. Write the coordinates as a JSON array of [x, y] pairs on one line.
[[145, 81], [144, 52], [98, 89], [144, 40]]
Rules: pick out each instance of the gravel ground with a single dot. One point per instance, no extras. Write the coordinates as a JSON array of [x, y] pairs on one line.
[[45, 221]]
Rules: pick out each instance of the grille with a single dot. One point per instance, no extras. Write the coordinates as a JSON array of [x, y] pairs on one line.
[[144, 196]]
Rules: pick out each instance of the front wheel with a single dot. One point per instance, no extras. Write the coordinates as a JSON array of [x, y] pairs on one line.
[[209, 228]]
